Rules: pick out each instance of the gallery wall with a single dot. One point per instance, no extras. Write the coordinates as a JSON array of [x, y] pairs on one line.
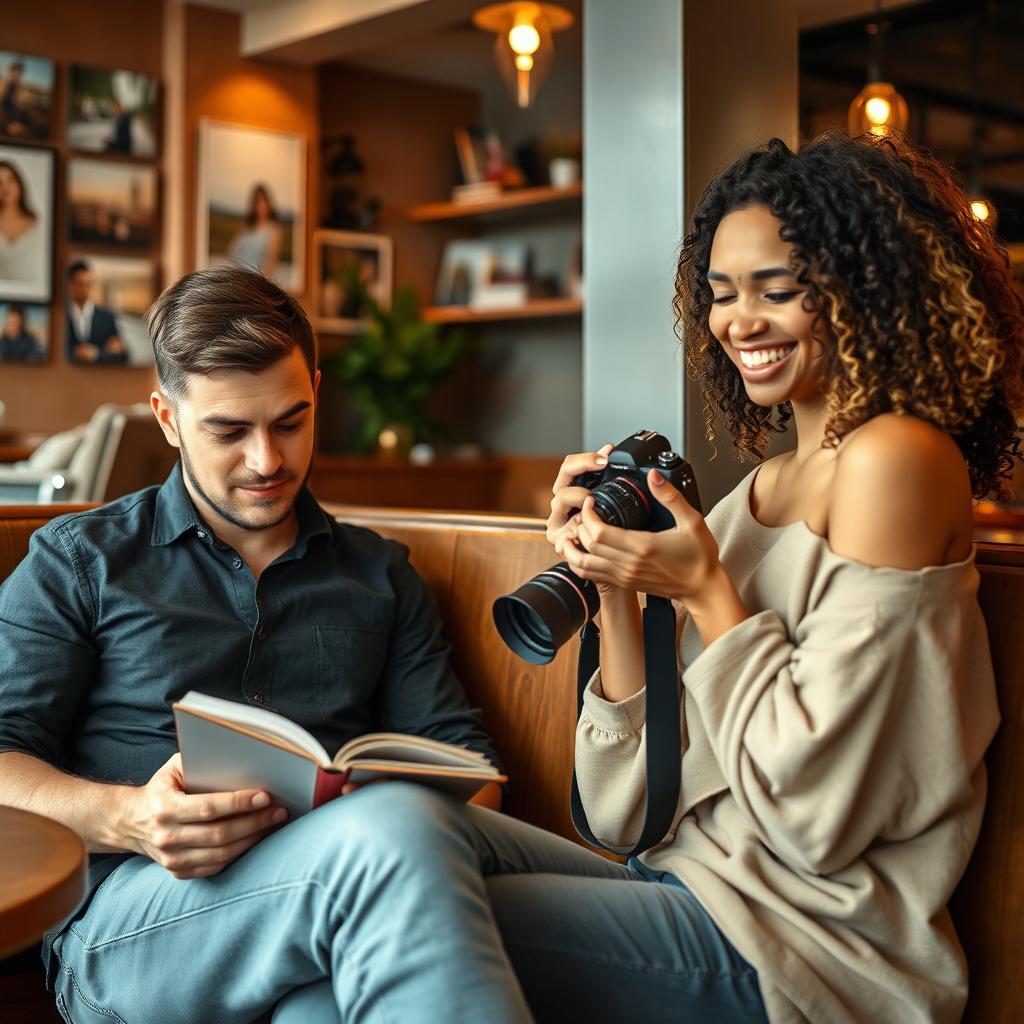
[[216, 84]]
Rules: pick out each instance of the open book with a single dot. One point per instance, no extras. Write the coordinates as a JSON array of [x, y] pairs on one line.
[[226, 745]]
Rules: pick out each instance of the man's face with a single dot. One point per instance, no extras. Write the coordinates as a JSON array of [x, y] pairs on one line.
[[246, 440], [81, 287]]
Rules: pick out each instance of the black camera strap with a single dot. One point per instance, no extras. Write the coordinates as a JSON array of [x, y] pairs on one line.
[[664, 754]]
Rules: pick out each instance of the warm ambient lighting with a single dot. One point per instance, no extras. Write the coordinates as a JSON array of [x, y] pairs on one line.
[[523, 48], [878, 109], [984, 211]]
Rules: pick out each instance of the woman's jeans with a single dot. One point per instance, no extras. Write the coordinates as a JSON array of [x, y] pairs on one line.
[[397, 904]]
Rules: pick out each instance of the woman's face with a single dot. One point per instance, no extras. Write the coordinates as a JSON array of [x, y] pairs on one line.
[[758, 313], [261, 206], [10, 187]]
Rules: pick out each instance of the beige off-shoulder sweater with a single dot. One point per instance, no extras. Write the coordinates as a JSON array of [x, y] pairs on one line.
[[832, 776]]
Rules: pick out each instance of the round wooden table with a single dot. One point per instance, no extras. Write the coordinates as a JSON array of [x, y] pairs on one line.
[[43, 869]]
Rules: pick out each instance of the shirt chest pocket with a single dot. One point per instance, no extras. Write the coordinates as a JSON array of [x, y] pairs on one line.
[[349, 665]]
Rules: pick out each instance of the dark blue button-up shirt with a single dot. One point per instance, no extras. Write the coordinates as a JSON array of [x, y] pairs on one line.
[[116, 612]]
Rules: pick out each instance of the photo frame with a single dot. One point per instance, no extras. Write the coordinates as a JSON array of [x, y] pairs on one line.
[[26, 97], [112, 111], [112, 204], [24, 333], [484, 274], [341, 259], [252, 201], [26, 244], [120, 289]]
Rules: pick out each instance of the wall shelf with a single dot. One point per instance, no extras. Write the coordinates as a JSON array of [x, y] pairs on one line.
[[517, 199], [534, 309]]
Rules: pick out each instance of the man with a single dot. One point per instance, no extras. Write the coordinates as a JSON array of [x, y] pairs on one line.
[[14, 117], [231, 580], [91, 329]]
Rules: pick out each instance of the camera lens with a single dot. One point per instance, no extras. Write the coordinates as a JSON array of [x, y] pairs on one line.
[[535, 620], [620, 502]]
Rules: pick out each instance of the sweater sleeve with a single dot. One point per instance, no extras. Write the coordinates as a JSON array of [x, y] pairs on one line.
[[611, 760], [846, 732]]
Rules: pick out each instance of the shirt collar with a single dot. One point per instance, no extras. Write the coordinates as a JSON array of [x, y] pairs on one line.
[[175, 515]]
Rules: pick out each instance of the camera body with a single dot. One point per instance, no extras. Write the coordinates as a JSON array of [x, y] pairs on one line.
[[544, 612], [622, 491]]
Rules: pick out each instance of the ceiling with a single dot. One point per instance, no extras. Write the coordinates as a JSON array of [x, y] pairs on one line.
[[960, 65]]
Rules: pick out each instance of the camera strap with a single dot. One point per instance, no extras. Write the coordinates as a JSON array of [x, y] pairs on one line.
[[664, 756]]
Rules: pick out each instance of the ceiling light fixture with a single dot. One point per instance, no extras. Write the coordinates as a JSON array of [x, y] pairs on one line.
[[878, 108], [523, 48]]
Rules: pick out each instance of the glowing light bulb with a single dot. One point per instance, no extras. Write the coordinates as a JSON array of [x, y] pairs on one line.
[[524, 39], [878, 110], [524, 62], [979, 209]]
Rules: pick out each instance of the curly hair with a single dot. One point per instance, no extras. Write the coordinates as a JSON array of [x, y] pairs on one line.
[[916, 296]]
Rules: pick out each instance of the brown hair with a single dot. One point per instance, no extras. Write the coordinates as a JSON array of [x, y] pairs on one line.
[[915, 293], [224, 318]]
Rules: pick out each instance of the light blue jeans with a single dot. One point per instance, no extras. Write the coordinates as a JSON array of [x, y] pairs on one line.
[[395, 904]]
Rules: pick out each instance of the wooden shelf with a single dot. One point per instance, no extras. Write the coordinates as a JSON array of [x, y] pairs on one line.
[[516, 199], [534, 309]]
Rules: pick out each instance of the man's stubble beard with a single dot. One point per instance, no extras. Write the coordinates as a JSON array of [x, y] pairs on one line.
[[226, 510]]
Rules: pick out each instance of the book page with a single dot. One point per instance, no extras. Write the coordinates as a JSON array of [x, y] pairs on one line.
[[393, 746], [257, 720]]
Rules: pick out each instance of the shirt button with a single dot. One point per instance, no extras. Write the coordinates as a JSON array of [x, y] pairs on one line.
[[236, 562], [262, 634], [201, 534], [258, 697]]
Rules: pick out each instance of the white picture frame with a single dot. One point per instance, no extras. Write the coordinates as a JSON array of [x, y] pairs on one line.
[[251, 200], [26, 258], [334, 252]]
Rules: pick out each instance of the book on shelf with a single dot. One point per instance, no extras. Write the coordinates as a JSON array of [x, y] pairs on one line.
[[227, 745], [476, 192]]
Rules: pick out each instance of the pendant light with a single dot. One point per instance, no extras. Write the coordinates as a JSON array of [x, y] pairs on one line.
[[981, 208], [878, 108], [523, 48]]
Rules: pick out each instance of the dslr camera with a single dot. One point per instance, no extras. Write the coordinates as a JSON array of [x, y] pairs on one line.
[[535, 620]]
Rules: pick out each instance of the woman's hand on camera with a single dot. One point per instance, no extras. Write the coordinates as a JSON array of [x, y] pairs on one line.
[[563, 523], [680, 562]]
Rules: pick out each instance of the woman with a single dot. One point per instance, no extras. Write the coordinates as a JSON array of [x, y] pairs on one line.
[[837, 688], [21, 250], [17, 343], [258, 244]]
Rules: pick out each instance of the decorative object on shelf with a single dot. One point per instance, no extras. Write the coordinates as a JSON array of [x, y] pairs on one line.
[[252, 200], [878, 108], [112, 330], [563, 154], [26, 223], [347, 208], [26, 97], [484, 274], [524, 46], [484, 168], [111, 204], [24, 333], [393, 367], [349, 268], [112, 112]]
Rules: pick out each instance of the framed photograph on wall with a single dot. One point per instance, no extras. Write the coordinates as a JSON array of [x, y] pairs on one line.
[[347, 265], [112, 204], [252, 201], [112, 111], [24, 332], [105, 310], [26, 223], [26, 97]]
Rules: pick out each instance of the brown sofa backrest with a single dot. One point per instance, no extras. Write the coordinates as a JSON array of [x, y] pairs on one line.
[[470, 560]]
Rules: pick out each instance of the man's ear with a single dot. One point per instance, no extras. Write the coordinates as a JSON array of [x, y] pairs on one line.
[[163, 410]]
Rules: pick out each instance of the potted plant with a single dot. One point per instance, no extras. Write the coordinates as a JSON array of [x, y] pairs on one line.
[[392, 368]]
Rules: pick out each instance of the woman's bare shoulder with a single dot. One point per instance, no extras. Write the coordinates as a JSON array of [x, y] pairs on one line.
[[901, 495]]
